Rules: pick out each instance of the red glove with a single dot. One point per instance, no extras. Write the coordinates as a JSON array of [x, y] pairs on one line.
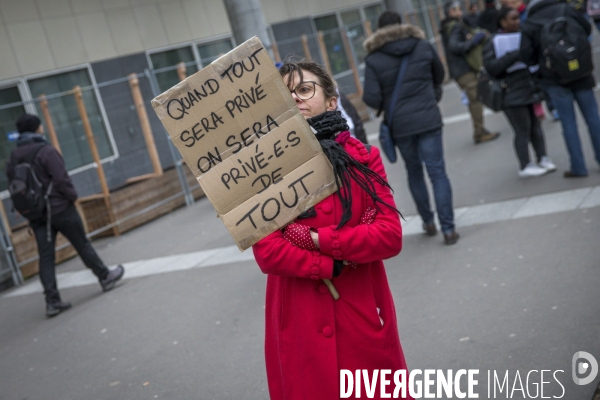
[[299, 235], [369, 216]]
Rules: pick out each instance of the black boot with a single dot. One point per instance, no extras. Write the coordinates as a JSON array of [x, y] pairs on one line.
[[53, 309]]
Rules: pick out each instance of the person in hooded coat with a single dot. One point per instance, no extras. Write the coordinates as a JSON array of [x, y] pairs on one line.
[[416, 121]]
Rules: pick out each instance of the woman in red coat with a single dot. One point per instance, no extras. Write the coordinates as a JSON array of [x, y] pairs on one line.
[[310, 336]]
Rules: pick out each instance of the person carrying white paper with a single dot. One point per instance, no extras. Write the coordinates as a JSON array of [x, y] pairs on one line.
[[522, 90]]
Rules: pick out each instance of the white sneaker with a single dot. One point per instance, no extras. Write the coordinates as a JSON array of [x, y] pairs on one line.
[[547, 164], [532, 170]]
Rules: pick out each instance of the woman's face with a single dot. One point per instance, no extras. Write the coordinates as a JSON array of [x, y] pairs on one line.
[[317, 104], [511, 23]]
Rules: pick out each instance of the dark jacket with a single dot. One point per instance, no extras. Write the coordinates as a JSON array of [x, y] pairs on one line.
[[488, 19], [416, 109], [457, 40], [541, 12], [522, 87], [49, 166], [472, 20]]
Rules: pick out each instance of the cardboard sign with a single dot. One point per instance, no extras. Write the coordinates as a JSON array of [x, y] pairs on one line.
[[239, 130]]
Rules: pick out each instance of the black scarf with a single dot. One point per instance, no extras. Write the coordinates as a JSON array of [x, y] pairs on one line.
[[345, 168]]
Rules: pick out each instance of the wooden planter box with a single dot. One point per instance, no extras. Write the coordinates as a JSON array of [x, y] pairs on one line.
[[132, 199]]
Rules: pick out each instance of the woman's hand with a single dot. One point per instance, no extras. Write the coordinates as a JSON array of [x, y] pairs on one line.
[[301, 236]]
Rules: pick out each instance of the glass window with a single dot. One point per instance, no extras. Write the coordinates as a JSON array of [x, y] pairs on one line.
[[8, 116], [66, 118], [356, 33], [372, 14], [333, 43], [211, 51], [169, 59]]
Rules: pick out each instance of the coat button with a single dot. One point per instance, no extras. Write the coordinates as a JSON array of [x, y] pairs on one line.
[[315, 270], [337, 254], [327, 332], [326, 208], [323, 289], [335, 244], [315, 277]]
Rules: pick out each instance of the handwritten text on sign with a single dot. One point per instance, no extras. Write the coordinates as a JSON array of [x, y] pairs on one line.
[[238, 129]]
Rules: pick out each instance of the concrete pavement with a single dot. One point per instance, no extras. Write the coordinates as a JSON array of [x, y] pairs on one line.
[[519, 292]]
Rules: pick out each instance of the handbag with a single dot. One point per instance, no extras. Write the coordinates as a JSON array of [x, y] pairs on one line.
[[386, 140], [490, 91]]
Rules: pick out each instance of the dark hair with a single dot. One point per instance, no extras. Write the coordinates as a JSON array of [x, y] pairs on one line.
[[28, 123], [449, 6], [389, 18], [290, 68], [502, 14]]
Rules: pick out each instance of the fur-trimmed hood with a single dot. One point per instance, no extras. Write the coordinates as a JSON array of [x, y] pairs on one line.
[[390, 34]]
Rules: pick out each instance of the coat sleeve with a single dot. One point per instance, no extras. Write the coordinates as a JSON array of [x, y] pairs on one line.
[[372, 95], [528, 51], [457, 44], [54, 165], [497, 66], [437, 68], [364, 243], [276, 256]]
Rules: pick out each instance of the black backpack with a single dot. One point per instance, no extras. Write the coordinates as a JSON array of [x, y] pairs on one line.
[[28, 195], [566, 51]]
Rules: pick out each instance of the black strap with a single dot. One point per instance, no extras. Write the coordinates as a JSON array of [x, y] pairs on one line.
[[396, 92]]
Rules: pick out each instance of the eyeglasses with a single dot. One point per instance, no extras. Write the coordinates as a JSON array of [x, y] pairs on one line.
[[305, 90]]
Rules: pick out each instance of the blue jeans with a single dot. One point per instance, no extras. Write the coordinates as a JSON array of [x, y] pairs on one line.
[[563, 99], [427, 148]]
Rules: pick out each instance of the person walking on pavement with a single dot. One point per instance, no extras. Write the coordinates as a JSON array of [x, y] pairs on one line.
[[313, 332], [49, 167], [458, 41], [522, 90], [564, 89], [416, 121]]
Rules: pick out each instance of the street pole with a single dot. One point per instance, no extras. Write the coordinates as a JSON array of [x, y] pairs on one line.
[[247, 20]]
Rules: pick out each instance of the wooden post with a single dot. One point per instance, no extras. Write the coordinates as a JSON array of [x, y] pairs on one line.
[[432, 19], [181, 71], [369, 29], [96, 156], [350, 56], [145, 124], [49, 124], [306, 48], [441, 12], [324, 52], [275, 50]]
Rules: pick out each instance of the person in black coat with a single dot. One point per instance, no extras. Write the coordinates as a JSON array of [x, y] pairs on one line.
[[415, 121], [62, 216], [563, 95], [521, 91], [489, 16]]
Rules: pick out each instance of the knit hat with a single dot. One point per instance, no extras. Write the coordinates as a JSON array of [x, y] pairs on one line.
[[28, 123]]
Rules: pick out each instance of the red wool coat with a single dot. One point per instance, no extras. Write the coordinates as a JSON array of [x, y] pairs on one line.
[[309, 336]]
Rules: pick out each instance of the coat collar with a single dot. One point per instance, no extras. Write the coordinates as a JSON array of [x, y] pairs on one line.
[[390, 34]]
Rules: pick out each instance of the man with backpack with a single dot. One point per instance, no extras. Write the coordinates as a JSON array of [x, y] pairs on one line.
[[555, 36], [43, 192]]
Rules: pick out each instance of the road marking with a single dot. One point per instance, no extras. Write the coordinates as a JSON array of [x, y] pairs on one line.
[[568, 200]]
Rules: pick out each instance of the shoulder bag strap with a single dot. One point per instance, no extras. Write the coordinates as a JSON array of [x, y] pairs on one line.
[[396, 92]]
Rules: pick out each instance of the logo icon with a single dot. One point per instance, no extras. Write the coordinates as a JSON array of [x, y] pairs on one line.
[[581, 367]]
